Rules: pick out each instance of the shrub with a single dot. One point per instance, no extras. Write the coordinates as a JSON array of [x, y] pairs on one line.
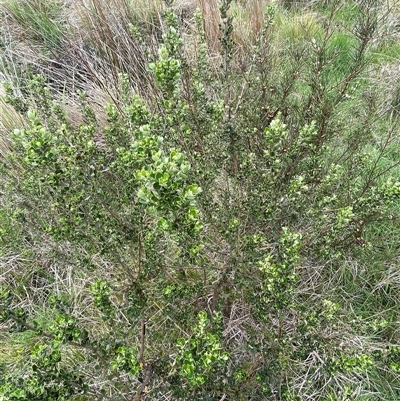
[[214, 239]]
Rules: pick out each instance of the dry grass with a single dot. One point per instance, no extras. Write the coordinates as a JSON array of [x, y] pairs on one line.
[[248, 21], [9, 121], [87, 44], [104, 46], [211, 21]]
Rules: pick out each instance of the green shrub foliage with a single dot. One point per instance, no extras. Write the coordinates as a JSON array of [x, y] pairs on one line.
[[218, 239]]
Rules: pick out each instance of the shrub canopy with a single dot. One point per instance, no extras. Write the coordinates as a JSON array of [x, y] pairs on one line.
[[227, 232]]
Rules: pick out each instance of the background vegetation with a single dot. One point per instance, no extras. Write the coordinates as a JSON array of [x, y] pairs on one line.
[[199, 200]]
